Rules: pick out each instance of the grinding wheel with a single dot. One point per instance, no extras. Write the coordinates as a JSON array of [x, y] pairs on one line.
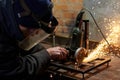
[[80, 54]]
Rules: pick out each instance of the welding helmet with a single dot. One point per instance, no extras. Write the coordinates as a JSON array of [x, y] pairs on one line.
[[35, 14]]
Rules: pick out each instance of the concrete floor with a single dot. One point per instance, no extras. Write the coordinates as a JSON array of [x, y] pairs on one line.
[[110, 73]]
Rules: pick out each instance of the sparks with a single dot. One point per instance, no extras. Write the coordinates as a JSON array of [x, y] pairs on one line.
[[103, 48]]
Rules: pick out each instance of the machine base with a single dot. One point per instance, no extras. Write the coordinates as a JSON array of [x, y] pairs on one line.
[[70, 70]]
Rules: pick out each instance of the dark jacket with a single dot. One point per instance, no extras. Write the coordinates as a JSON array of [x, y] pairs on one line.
[[15, 63]]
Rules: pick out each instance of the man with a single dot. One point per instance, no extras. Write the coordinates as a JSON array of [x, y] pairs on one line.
[[18, 18]]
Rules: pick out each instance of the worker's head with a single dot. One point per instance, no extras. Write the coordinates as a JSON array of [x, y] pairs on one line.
[[35, 14]]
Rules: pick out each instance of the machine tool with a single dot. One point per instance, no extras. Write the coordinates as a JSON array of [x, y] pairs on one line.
[[73, 67]]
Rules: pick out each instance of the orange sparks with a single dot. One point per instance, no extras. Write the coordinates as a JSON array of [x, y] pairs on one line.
[[102, 49]]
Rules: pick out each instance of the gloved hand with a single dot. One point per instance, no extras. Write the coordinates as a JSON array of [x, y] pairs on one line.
[[57, 53]]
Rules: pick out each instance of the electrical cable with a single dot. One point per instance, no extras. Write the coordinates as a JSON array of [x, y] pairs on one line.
[[96, 25]]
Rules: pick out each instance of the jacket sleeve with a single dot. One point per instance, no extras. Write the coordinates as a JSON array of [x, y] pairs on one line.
[[35, 64], [43, 60]]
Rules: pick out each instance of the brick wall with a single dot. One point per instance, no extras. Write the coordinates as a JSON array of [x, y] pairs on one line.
[[66, 11]]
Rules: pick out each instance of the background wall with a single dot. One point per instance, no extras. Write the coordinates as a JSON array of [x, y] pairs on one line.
[[105, 12], [107, 15], [66, 12]]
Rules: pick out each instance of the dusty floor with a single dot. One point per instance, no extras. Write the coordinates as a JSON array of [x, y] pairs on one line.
[[110, 73]]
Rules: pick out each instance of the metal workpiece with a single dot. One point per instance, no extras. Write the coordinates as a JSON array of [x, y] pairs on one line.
[[72, 70]]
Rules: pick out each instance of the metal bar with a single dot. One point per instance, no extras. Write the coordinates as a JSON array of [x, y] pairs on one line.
[[54, 42], [80, 70], [86, 36], [98, 65], [83, 76]]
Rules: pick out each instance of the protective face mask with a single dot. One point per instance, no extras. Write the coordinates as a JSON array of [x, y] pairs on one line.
[[33, 39]]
